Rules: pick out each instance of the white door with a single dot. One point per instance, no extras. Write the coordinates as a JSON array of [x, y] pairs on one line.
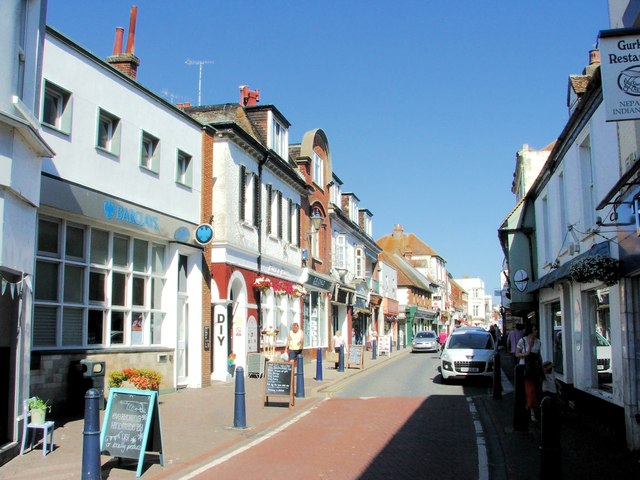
[[182, 366]]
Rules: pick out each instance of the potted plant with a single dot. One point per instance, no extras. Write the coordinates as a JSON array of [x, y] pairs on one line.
[[38, 409], [139, 378], [299, 290], [596, 268]]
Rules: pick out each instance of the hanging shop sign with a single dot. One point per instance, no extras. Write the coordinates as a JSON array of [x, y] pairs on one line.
[[620, 69]]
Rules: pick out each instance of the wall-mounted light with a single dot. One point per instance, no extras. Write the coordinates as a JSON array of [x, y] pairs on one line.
[[316, 219]]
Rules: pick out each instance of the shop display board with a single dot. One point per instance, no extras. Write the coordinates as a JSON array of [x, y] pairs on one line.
[[384, 345], [356, 356], [278, 381], [131, 425]]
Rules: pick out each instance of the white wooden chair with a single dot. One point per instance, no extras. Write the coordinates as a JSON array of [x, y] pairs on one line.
[[29, 429]]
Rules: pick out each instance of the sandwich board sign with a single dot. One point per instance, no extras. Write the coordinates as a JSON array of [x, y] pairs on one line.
[[131, 425]]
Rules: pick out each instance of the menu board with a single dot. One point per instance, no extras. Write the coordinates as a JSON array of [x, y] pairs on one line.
[[384, 344], [356, 356], [131, 425], [279, 381], [255, 365]]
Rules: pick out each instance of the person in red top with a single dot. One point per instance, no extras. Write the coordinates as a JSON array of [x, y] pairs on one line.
[[442, 337]]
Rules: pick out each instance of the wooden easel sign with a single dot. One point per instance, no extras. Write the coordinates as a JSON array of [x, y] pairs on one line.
[[131, 425], [278, 381], [356, 356]]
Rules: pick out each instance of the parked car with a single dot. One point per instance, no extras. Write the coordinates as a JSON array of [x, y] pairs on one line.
[[425, 341], [467, 353]]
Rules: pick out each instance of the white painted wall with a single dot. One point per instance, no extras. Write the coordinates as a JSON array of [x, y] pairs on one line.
[[94, 86]]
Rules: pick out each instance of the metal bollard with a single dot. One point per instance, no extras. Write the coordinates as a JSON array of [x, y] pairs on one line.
[[374, 348], [497, 377], [341, 359], [91, 436], [551, 458], [520, 418], [319, 365], [239, 411], [299, 377]]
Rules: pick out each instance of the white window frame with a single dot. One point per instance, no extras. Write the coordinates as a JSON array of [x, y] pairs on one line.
[[54, 312], [317, 169], [278, 137], [108, 132], [58, 117], [340, 252], [184, 169], [359, 262], [149, 152]]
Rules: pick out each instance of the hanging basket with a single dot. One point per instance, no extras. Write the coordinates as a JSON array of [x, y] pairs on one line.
[[598, 268]]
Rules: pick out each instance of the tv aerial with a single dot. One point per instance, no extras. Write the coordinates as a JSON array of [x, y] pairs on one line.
[[200, 63]]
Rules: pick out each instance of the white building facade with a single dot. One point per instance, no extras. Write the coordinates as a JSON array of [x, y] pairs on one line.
[[118, 273], [22, 148]]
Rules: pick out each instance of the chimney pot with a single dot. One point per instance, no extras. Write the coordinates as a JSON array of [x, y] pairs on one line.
[[132, 29], [117, 45], [594, 57]]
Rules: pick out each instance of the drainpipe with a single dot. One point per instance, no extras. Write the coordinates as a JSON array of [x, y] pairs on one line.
[[259, 260]]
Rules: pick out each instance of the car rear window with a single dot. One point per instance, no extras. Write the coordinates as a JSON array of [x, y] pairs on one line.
[[471, 341]]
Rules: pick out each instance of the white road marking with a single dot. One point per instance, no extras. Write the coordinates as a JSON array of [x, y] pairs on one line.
[[483, 460], [244, 448]]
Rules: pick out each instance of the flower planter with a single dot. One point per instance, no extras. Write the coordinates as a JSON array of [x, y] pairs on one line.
[[38, 416]]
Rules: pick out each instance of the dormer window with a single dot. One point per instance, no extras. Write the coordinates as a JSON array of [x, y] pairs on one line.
[[336, 194], [278, 137], [353, 209], [317, 165]]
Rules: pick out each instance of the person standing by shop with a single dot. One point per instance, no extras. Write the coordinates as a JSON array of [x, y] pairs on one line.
[[338, 344], [295, 342], [528, 351]]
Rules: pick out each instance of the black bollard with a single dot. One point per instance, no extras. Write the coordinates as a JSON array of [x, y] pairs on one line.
[[497, 377], [239, 412], [341, 359], [520, 418], [319, 365], [374, 348], [91, 436], [551, 458], [299, 377]]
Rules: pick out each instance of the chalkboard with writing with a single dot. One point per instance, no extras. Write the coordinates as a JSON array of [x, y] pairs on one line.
[[356, 356], [131, 425], [278, 381]]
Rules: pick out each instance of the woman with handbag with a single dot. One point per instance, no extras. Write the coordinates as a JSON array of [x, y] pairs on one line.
[[528, 351]]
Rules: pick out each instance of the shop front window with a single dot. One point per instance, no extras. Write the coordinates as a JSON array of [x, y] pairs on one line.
[[315, 328], [601, 337], [555, 315], [109, 295]]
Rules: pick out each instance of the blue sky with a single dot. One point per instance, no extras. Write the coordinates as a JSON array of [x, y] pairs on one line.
[[425, 103]]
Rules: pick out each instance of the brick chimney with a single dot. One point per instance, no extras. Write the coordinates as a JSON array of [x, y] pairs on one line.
[[249, 98], [126, 62]]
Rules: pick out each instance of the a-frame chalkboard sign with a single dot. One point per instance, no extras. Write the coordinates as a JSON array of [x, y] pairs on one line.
[[278, 382], [131, 425]]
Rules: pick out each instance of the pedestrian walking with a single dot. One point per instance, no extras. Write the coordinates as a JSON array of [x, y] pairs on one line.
[[528, 351], [338, 343], [442, 338], [295, 342], [512, 342]]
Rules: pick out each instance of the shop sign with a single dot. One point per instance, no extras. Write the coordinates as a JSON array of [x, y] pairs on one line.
[[318, 282], [620, 69]]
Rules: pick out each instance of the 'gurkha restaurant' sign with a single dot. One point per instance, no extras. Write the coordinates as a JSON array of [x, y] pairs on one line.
[[620, 69]]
